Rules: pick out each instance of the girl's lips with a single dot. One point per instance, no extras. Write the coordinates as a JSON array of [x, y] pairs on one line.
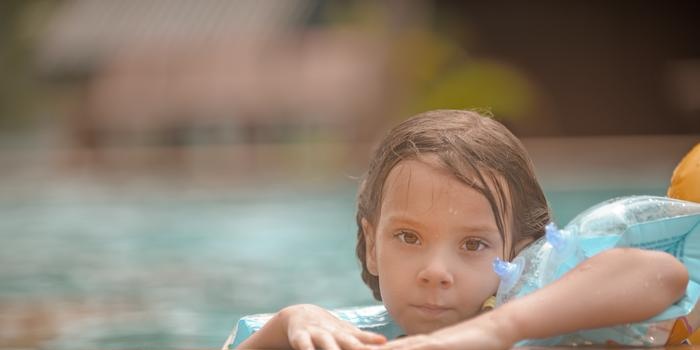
[[431, 310]]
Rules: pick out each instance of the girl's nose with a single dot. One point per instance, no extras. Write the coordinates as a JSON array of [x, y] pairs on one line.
[[435, 274]]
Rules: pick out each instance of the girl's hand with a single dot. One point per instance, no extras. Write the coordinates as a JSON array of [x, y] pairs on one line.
[[480, 333], [310, 327]]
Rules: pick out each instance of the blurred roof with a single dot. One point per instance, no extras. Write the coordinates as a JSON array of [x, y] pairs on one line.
[[322, 77], [149, 63], [83, 32]]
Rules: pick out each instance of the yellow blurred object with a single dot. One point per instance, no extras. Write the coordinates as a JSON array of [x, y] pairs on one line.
[[685, 182], [489, 304], [685, 185]]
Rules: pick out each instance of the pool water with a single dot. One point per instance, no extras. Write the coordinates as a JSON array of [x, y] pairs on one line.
[[85, 266]]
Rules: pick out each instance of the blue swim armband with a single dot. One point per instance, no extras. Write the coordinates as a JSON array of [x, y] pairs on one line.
[[645, 222]]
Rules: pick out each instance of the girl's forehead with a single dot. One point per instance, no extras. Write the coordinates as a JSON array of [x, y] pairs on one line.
[[427, 176], [436, 204], [419, 186], [427, 169]]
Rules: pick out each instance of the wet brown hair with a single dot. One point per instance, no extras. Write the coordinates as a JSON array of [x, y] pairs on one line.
[[479, 152]]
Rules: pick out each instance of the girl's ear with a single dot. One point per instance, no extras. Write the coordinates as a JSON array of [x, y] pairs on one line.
[[370, 247]]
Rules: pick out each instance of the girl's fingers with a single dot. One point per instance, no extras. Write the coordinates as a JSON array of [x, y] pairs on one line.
[[325, 341], [301, 341], [347, 342], [410, 343], [369, 337]]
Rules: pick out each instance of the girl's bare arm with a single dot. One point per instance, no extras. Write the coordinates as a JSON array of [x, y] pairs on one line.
[[271, 336], [614, 287]]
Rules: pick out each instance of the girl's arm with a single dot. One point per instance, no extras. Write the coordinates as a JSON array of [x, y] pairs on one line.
[[614, 287], [272, 335], [305, 327]]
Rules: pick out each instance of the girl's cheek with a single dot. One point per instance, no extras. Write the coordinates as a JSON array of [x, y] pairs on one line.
[[395, 253], [387, 251]]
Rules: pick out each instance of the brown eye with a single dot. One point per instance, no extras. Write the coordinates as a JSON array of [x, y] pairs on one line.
[[473, 245], [408, 237]]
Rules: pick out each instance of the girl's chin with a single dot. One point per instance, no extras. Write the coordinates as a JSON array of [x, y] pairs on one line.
[[424, 327]]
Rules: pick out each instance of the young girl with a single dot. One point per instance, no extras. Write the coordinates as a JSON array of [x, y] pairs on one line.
[[446, 193]]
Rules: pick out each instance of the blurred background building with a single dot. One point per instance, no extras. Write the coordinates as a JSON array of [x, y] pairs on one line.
[[124, 106], [153, 83]]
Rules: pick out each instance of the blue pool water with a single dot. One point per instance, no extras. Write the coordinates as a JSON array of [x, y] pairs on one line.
[[100, 267]]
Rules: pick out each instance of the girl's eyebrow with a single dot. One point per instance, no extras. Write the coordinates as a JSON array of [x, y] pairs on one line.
[[480, 229], [405, 220], [484, 230]]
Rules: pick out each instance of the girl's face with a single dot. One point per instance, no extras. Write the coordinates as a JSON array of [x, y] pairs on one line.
[[432, 248]]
